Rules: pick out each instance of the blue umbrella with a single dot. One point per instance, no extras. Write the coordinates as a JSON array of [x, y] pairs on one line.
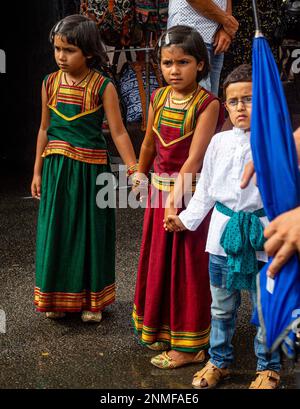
[[278, 180]]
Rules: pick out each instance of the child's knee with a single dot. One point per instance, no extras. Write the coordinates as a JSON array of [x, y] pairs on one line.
[[224, 303]]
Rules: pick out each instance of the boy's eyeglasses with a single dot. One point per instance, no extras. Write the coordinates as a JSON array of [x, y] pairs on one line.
[[233, 103]]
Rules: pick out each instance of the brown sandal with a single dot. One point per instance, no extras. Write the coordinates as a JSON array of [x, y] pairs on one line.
[[266, 380], [164, 361], [209, 376]]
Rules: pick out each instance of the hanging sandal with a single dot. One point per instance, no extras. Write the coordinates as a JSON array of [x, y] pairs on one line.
[[266, 380], [164, 361], [158, 346], [55, 315], [209, 376]]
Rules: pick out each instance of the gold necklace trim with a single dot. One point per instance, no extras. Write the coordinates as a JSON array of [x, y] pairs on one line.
[[178, 101]]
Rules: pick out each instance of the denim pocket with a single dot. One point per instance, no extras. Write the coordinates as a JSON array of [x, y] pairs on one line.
[[218, 270]]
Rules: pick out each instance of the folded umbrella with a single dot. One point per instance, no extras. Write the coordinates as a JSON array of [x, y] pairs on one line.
[[278, 179]]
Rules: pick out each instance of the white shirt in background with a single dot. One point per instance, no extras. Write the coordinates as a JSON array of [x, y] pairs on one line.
[[182, 13]]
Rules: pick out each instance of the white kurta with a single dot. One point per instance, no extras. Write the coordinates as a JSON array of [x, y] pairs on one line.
[[223, 167]]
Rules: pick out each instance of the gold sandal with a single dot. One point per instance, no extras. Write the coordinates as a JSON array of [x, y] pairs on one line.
[[55, 315], [266, 380], [164, 361], [89, 316], [209, 376], [158, 346]]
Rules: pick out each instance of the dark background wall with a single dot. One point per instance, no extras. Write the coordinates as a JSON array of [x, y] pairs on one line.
[[24, 33], [24, 29]]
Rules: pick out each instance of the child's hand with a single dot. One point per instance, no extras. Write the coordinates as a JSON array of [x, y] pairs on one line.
[[173, 223], [36, 187], [140, 185], [142, 192]]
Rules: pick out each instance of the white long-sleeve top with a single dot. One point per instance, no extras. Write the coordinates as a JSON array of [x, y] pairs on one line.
[[223, 167]]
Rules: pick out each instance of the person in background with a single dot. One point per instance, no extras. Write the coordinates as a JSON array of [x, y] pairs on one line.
[[214, 21], [240, 49]]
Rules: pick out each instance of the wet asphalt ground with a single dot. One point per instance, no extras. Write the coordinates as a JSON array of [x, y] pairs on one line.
[[37, 353]]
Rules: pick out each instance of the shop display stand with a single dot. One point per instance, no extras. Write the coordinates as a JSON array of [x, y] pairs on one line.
[[147, 50]]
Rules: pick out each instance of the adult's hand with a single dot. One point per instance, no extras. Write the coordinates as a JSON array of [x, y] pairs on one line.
[[249, 172], [230, 25], [283, 235], [222, 41]]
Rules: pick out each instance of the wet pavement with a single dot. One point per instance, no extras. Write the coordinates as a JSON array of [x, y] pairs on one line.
[[37, 353]]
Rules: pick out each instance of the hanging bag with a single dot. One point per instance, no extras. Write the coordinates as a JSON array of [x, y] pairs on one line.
[[289, 21], [152, 14], [133, 89], [115, 19]]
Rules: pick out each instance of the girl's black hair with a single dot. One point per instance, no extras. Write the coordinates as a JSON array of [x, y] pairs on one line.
[[190, 41], [83, 33]]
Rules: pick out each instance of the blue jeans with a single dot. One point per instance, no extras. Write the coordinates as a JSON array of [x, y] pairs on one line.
[[211, 83], [225, 304]]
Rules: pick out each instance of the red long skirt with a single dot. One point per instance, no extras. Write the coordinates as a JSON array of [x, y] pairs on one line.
[[172, 297]]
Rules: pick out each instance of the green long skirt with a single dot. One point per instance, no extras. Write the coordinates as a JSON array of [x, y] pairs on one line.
[[75, 252]]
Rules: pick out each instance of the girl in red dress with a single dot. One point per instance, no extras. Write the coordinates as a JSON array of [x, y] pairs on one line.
[[172, 297]]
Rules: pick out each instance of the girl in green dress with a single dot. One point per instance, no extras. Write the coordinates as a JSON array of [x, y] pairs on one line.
[[75, 253]]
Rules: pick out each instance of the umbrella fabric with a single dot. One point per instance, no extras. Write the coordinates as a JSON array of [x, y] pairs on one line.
[[278, 180]]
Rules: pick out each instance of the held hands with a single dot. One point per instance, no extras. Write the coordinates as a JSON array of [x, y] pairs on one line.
[[170, 211], [172, 223], [140, 185], [36, 187]]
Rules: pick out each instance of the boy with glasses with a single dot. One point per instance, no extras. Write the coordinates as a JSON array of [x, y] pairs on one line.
[[235, 238]]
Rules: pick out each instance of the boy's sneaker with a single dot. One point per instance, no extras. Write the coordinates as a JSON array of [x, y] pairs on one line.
[[89, 316]]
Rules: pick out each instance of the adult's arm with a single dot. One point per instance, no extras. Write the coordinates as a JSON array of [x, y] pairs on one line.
[[213, 12]]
